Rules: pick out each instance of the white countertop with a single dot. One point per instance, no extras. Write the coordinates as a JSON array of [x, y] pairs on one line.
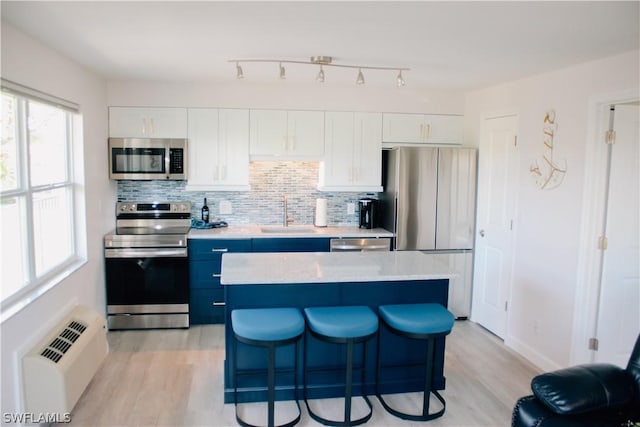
[[266, 231], [331, 267]]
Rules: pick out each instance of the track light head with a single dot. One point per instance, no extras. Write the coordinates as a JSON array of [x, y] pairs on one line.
[[283, 73], [400, 80], [320, 77], [239, 73], [360, 79]]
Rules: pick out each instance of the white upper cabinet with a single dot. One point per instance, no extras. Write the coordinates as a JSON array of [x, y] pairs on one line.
[[353, 152], [287, 135], [218, 149], [421, 129], [143, 122]]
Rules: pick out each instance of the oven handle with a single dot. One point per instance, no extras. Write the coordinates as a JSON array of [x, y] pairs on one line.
[[146, 253]]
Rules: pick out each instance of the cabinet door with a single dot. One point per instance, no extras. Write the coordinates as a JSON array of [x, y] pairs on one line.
[[294, 244], [203, 146], [268, 133], [406, 128], [233, 151], [443, 129], [305, 135], [337, 168], [142, 122], [367, 151]]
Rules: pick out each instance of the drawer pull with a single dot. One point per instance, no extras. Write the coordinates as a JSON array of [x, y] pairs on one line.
[[216, 275], [219, 250], [218, 303]]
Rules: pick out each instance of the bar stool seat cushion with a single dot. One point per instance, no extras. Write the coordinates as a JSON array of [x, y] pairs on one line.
[[418, 318], [267, 324], [342, 322]]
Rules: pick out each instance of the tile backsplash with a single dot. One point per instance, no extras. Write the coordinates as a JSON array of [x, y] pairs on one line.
[[263, 204]]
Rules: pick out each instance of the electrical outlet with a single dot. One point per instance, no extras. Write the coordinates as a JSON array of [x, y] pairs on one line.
[[225, 207], [351, 208]]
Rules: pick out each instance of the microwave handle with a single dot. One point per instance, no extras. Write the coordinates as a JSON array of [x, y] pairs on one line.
[[167, 159]]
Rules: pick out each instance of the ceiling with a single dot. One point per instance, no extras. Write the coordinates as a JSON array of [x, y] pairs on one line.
[[450, 45]]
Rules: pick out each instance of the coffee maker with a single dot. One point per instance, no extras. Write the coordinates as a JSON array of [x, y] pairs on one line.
[[369, 214]]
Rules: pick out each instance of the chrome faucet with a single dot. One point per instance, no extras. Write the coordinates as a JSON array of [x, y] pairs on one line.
[[285, 218]]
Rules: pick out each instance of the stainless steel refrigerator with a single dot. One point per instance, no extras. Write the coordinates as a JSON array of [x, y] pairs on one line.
[[429, 204]]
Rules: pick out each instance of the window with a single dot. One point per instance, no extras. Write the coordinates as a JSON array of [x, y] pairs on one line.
[[38, 193]]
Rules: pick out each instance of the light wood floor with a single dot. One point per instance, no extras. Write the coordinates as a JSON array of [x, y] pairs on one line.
[[175, 378]]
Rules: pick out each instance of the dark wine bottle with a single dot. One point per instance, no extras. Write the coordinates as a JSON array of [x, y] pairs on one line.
[[205, 211]]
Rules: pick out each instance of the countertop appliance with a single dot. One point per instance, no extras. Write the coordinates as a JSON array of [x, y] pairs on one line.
[[369, 213], [147, 158], [360, 245], [146, 264], [429, 203]]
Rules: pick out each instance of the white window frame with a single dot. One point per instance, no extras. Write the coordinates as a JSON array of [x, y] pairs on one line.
[[37, 285]]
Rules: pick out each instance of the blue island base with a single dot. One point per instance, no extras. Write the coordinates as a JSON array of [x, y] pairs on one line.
[[402, 358]]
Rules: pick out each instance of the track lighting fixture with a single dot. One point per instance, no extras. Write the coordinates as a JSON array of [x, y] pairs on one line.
[[322, 61]]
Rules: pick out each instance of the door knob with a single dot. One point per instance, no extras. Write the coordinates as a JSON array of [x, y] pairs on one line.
[[481, 233]]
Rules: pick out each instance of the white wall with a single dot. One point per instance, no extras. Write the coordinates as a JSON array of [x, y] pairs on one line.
[[548, 221], [283, 95], [29, 63]]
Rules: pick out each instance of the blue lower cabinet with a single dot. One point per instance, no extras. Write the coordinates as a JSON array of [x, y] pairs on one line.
[[206, 301], [291, 244], [207, 306]]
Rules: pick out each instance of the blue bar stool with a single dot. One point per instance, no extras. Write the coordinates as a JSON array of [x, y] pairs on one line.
[[269, 328], [421, 322], [347, 325]]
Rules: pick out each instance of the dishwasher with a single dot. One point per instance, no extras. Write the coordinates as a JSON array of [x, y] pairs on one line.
[[360, 245]]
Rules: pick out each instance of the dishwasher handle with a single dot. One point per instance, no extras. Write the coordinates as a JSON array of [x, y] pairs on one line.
[[360, 245]]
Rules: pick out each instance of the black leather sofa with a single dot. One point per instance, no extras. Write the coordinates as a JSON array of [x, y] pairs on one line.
[[593, 395]]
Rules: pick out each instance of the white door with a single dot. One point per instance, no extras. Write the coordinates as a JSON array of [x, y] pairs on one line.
[[497, 176], [619, 308]]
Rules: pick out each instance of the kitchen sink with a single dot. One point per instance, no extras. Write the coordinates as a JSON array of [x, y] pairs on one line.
[[290, 229]]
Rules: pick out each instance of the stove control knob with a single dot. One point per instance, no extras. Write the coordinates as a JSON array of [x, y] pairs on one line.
[[132, 208], [123, 207], [183, 207]]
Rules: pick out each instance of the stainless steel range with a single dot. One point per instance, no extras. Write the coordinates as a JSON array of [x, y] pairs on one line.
[[147, 270]]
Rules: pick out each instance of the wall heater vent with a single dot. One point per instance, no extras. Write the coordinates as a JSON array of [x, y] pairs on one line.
[[63, 342], [59, 368]]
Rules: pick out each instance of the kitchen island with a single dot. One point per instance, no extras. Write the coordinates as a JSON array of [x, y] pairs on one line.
[[260, 280]]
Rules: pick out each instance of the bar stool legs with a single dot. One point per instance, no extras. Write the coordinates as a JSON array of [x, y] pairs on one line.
[[269, 329], [347, 326], [426, 322]]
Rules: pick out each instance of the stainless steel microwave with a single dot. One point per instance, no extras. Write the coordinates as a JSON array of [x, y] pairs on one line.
[[147, 158]]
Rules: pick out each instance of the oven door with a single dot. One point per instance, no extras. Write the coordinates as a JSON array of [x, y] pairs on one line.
[[147, 288]]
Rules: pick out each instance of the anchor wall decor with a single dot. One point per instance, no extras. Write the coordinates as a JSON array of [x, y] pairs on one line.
[[547, 172]]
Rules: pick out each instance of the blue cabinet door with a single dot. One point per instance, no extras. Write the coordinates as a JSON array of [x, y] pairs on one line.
[[206, 300], [291, 244]]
